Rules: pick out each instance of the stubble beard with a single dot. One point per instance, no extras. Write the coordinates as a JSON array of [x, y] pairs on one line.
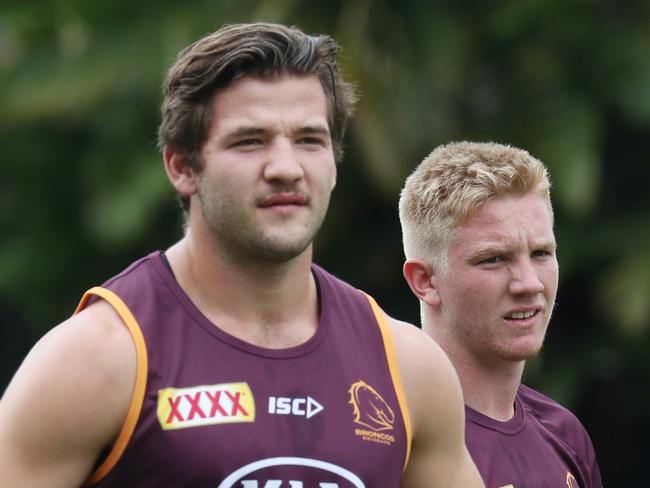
[[243, 238], [494, 345], [519, 354], [523, 352]]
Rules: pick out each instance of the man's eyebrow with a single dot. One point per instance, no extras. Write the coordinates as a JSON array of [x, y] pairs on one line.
[[489, 249], [552, 243], [243, 131], [314, 129]]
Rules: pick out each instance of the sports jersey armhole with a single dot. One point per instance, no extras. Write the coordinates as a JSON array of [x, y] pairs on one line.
[[391, 356], [139, 388]]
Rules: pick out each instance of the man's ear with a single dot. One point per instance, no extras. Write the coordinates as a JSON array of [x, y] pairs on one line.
[[422, 281], [180, 172]]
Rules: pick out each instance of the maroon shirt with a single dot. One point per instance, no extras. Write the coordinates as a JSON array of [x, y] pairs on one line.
[[543, 446], [210, 410]]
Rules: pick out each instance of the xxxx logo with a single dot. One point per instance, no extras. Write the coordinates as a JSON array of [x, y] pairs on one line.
[[179, 408]]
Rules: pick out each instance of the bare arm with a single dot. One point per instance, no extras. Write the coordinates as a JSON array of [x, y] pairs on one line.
[[439, 456], [67, 401]]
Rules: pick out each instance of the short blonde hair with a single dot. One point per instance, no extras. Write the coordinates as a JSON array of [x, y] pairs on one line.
[[452, 182]]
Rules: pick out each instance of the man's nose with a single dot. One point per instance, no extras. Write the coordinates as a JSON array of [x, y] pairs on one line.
[[525, 278], [283, 163]]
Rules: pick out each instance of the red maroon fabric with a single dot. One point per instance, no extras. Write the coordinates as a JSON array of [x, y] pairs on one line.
[[322, 414], [543, 445]]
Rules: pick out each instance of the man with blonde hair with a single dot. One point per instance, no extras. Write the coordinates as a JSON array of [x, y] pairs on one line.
[[477, 226]]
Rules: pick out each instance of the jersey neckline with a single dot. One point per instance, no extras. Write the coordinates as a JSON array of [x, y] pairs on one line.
[[509, 427], [213, 329]]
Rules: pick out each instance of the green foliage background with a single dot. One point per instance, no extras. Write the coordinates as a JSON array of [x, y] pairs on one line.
[[82, 190]]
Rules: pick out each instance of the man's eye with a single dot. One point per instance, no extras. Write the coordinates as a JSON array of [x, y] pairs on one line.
[[311, 141], [492, 260], [540, 253], [247, 142]]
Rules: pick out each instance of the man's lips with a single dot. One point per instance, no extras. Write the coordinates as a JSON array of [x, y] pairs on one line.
[[282, 199], [523, 313]]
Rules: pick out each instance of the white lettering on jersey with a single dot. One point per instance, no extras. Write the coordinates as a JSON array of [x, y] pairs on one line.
[[244, 477], [278, 484], [302, 407]]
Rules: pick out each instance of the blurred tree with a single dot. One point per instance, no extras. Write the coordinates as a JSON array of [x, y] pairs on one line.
[[82, 191]]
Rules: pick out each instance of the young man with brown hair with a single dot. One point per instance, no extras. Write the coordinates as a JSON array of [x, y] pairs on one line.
[[231, 359]]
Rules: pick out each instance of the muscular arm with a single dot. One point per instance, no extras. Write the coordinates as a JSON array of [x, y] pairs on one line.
[[67, 401], [439, 456]]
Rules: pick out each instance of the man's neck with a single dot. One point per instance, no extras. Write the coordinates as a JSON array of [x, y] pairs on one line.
[[273, 305], [491, 392], [487, 388]]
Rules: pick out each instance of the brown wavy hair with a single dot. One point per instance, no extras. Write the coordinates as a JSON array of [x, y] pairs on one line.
[[260, 50]]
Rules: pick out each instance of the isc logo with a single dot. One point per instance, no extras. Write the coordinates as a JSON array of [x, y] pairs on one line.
[[302, 407]]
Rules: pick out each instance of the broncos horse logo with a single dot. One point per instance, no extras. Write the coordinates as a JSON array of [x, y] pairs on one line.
[[370, 409], [571, 482]]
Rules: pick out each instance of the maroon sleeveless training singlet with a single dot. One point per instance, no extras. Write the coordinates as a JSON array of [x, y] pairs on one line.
[[210, 410]]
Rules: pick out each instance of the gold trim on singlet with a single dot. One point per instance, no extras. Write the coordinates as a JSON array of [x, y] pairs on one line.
[[391, 356], [139, 388]]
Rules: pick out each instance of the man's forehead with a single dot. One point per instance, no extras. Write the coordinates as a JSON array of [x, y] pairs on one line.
[[272, 89], [509, 239], [252, 103]]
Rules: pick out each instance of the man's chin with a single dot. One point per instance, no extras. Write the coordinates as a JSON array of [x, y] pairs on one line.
[[283, 252], [520, 354]]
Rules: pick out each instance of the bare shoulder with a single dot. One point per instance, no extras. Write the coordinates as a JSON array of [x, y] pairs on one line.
[[67, 400], [434, 398], [92, 345], [423, 364]]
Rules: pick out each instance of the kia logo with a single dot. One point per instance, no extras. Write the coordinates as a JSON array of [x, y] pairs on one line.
[[241, 478]]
